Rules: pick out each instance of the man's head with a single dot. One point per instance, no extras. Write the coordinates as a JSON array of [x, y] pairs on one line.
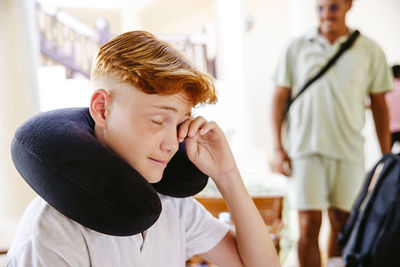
[[332, 16], [143, 91]]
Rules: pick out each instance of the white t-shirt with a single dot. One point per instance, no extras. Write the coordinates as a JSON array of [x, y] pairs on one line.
[[328, 118], [45, 237]]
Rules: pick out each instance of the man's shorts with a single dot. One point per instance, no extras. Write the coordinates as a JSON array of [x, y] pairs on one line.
[[319, 182]]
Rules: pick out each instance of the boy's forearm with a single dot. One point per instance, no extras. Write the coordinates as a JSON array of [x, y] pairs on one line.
[[253, 242]]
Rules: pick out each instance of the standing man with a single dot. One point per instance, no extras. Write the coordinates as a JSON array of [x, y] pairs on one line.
[[325, 159]]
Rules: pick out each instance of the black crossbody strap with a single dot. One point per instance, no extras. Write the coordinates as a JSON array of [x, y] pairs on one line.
[[346, 45]]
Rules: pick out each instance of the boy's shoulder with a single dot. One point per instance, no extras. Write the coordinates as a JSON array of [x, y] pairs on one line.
[[40, 217], [43, 226]]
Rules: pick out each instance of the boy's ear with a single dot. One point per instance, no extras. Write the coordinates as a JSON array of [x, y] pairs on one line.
[[99, 105]]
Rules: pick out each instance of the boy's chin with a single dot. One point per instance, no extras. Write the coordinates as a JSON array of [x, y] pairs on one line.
[[155, 178], [150, 175]]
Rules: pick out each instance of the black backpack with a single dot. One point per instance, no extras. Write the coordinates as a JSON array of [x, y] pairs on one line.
[[371, 237]]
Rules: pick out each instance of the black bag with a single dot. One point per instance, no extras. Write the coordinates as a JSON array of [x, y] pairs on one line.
[[371, 237]]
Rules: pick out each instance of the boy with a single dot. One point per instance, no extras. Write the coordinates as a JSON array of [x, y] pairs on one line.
[[143, 95]]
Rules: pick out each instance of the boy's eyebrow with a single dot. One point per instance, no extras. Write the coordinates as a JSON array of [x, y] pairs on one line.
[[171, 108]]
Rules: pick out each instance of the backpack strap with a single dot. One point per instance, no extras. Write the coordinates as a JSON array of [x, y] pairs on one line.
[[347, 229], [358, 217]]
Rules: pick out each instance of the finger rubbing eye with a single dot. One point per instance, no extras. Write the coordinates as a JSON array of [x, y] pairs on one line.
[[191, 133], [179, 130]]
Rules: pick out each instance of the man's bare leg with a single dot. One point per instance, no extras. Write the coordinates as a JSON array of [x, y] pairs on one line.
[[337, 219], [308, 248]]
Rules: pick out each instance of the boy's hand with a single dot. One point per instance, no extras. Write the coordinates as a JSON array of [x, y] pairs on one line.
[[207, 147], [250, 245]]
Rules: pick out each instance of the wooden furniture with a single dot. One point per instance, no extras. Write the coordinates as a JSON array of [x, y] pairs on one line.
[[270, 208]]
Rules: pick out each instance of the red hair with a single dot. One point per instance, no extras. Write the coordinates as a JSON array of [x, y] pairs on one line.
[[152, 66]]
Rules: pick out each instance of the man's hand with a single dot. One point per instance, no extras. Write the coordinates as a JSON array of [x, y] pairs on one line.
[[207, 147], [282, 163]]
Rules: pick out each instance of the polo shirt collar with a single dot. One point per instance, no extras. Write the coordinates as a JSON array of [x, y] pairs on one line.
[[313, 35]]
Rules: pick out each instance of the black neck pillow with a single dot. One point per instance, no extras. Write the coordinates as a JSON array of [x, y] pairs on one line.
[[59, 157]]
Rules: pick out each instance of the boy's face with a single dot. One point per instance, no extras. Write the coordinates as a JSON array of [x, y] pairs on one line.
[[142, 129]]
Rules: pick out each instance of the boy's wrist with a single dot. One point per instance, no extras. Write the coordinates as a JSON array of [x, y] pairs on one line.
[[228, 181]]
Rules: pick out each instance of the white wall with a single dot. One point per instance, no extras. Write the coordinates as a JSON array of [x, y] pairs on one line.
[[379, 20], [18, 101], [263, 43], [177, 16]]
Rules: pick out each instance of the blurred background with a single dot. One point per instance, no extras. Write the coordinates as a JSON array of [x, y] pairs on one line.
[[46, 50]]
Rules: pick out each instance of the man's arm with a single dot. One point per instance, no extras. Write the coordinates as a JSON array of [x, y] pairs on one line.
[[281, 161], [380, 113], [251, 245]]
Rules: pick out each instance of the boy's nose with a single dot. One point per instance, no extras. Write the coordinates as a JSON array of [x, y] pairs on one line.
[[170, 143]]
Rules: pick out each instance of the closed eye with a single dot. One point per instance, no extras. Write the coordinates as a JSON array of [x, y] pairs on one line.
[[157, 122]]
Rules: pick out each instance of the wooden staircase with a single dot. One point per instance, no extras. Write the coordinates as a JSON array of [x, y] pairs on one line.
[[64, 40]]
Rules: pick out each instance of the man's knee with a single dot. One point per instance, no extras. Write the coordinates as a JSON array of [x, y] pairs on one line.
[[337, 218], [310, 223]]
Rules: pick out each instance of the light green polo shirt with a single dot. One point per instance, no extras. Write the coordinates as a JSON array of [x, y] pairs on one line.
[[328, 118]]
